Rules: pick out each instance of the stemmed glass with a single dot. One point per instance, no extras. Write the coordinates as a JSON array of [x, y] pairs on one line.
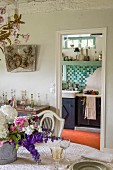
[[64, 144], [56, 152]]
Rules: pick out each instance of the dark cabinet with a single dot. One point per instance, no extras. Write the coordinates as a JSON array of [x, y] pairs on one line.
[[68, 112], [80, 110], [73, 111], [80, 113]]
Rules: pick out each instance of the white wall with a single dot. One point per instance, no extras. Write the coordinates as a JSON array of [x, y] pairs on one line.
[[94, 81], [42, 29]]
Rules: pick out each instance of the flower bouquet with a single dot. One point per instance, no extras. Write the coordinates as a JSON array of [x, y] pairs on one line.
[[22, 131]]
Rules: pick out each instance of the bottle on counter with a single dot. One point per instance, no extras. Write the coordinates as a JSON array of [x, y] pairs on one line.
[[11, 100], [24, 98], [32, 101], [5, 99], [39, 101], [47, 100], [76, 86], [14, 102]]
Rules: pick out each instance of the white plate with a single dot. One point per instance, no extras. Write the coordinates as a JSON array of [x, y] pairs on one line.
[[90, 165]]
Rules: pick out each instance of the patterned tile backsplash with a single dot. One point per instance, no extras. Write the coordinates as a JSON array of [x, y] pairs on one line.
[[78, 74]]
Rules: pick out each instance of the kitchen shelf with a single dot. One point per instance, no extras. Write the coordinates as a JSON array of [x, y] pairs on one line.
[[83, 63]]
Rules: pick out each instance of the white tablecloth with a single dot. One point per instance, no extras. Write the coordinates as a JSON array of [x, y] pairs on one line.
[[25, 161]]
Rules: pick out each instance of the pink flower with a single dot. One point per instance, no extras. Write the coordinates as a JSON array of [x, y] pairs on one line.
[[14, 33], [3, 43], [12, 128], [21, 122], [26, 37], [16, 41], [1, 20], [35, 126], [2, 142]]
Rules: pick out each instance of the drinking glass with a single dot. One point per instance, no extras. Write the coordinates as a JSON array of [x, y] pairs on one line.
[[56, 155], [64, 144]]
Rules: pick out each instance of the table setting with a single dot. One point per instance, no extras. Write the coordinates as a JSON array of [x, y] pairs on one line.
[[73, 153]]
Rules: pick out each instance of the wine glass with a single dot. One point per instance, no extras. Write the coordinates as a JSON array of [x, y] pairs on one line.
[[64, 144], [56, 152]]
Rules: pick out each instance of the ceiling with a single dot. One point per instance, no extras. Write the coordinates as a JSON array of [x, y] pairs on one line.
[[31, 6]]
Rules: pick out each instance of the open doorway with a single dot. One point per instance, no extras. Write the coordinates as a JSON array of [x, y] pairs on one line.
[[81, 54]]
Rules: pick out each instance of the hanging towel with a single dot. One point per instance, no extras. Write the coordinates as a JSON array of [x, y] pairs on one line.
[[90, 109]]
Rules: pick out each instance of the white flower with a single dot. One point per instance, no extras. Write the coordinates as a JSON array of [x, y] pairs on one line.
[[28, 130], [3, 125], [32, 127], [4, 131], [39, 128], [10, 112], [3, 119]]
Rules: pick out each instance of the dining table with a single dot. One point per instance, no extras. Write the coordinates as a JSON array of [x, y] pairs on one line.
[[25, 161]]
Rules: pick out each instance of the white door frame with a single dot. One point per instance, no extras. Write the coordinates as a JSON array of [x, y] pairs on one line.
[[58, 91]]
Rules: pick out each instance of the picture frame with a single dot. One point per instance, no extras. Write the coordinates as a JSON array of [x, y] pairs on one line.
[[21, 58]]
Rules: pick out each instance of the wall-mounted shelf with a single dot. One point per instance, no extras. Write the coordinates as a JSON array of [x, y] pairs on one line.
[[83, 63]]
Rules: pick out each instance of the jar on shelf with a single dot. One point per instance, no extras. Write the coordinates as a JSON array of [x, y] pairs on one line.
[[81, 55], [100, 56]]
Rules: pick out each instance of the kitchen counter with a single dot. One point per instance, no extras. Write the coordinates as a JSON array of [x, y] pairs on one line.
[[69, 94], [89, 95], [73, 94]]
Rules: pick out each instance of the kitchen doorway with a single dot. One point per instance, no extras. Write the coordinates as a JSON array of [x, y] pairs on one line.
[[59, 70]]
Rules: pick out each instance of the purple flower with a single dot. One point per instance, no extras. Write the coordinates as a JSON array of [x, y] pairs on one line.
[[31, 148], [35, 118], [32, 139]]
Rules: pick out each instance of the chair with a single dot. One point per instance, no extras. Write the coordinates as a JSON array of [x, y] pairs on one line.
[[52, 121]]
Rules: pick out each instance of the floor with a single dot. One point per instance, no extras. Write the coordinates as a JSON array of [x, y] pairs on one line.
[[91, 139]]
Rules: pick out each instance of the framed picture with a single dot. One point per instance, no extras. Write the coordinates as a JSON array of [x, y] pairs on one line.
[[21, 58]]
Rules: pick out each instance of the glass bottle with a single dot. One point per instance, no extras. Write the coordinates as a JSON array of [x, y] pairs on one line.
[[47, 100], [38, 102], [25, 97], [6, 100], [14, 102], [22, 102], [32, 101], [11, 93], [3, 98]]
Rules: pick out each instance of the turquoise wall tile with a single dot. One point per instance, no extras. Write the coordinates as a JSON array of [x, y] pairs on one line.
[[79, 74]]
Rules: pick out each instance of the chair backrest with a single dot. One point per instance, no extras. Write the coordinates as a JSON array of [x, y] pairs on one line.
[[51, 121]]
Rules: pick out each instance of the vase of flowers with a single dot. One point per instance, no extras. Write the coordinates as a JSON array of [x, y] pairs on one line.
[[19, 131], [8, 153]]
